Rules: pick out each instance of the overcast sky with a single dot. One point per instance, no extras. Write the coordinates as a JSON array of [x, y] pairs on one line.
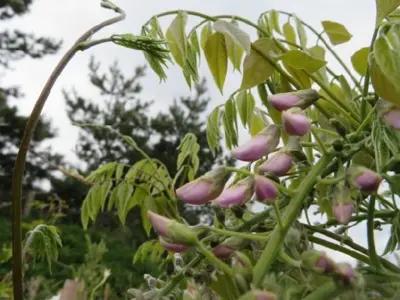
[[68, 19]]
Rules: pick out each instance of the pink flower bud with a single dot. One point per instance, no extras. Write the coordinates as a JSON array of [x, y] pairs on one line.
[[389, 113], [279, 164], [175, 232], [160, 223], [205, 188], [342, 212], [318, 261], [237, 194], [176, 248], [346, 273], [301, 99], [263, 143], [364, 179], [392, 118], [223, 251], [295, 122], [266, 190]]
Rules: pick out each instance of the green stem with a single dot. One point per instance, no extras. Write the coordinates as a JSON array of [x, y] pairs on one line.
[[102, 282], [278, 215], [366, 121], [178, 277], [324, 151], [336, 247], [334, 180], [367, 78], [379, 214], [213, 259], [328, 290], [370, 233], [19, 168], [243, 235], [347, 241], [290, 215], [289, 260]]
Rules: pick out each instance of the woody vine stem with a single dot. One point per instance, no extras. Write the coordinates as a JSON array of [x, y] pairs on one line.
[[81, 44]]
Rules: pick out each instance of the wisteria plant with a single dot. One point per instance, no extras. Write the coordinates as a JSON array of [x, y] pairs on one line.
[[320, 141]]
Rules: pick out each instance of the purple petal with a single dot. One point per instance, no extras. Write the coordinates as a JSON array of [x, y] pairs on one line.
[[343, 212], [252, 150], [176, 248], [266, 191], [295, 124], [197, 192], [235, 195], [283, 101], [392, 118], [279, 164], [160, 223], [368, 180]]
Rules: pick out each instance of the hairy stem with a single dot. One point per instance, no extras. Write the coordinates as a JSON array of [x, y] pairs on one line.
[[19, 168], [290, 214], [370, 233]]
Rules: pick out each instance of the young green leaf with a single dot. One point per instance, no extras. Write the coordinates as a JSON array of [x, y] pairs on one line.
[[176, 38], [274, 21], [235, 53], [194, 41], [360, 60], [289, 33], [383, 85], [387, 57], [124, 193], [300, 60], [300, 32], [237, 35], [230, 124], [251, 103], [337, 33], [85, 215], [206, 31], [384, 8], [155, 26], [212, 130], [241, 104], [257, 124], [255, 67], [319, 52], [348, 93], [217, 58]]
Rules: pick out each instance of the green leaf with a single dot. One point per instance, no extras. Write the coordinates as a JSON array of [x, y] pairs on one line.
[[238, 36], [119, 170], [257, 69], [257, 124], [155, 26], [325, 206], [319, 52], [337, 33], [190, 68], [194, 41], [230, 124], [299, 75], [124, 193], [85, 215], [274, 21], [176, 38], [212, 130], [289, 33], [148, 204], [103, 172], [138, 197], [384, 8], [241, 104], [363, 158], [300, 32], [346, 88], [300, 60], [382, 84], [360, 60], [206, 31], [156, 66], [217, 58], [103, 192]]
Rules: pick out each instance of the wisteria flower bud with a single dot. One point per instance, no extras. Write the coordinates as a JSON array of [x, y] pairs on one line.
[[260, 145], [301, 99], [364, 179], [223, 251], [346, 273], [295, 122], [175, 248], [237, 194], [266, 190], [175, 232], [259, 295], [389, 113], [278, 164], [343, 206], [318, 261], [205, 188]]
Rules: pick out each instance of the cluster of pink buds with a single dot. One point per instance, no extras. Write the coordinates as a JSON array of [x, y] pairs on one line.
[[292, 105]]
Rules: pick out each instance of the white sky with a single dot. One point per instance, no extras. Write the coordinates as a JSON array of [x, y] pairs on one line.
[[68, 19]]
